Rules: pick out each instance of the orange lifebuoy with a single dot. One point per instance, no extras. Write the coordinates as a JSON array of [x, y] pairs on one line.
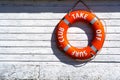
[[86, 52]]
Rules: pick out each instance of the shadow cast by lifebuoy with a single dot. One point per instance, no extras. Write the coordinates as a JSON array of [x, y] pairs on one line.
[[61, 54]]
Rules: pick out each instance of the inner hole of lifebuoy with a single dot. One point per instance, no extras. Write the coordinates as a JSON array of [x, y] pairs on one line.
[[80, 34]]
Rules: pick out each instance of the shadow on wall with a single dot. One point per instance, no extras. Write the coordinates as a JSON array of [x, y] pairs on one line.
[[61, 54], [55, 6]]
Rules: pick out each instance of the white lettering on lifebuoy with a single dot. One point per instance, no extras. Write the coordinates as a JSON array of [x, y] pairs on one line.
[[79, 54], [60, 34], [99, 34], [80, 15]]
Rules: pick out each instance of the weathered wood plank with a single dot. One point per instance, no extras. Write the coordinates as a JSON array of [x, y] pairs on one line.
[[47, 23], [52, 44], [28, 52], [59, 71], [49, 51], [53, 58], [50, 16], [49, 30], [94, 71], [17, 71], [47, 37], [32, 23]]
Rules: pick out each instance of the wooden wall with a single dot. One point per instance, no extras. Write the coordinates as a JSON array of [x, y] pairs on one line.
[[28, 49]]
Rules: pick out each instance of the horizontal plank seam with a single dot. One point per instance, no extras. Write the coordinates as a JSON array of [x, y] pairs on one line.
[[38, 47], [46, 40], [44, 25], [47, 54], [54, 19], [57, 61], [50, 33]]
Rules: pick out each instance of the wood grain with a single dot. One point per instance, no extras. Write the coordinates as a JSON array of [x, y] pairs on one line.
[[27, 41]]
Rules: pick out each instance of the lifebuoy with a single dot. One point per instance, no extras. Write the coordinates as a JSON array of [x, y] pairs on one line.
[[80, 53]]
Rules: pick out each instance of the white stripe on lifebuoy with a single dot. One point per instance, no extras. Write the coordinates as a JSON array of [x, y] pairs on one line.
[[93, 20], [67, 47]]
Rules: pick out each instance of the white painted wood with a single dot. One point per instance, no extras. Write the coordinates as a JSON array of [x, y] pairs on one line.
[[51, 16], [55, 71], [47, 37], [48, 30], [16, 71], [47, 51], [46, 23], [27, 41], [52, 58], [48, 43]]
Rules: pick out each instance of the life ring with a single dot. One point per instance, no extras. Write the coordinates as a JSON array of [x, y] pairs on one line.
[[95, 45]]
